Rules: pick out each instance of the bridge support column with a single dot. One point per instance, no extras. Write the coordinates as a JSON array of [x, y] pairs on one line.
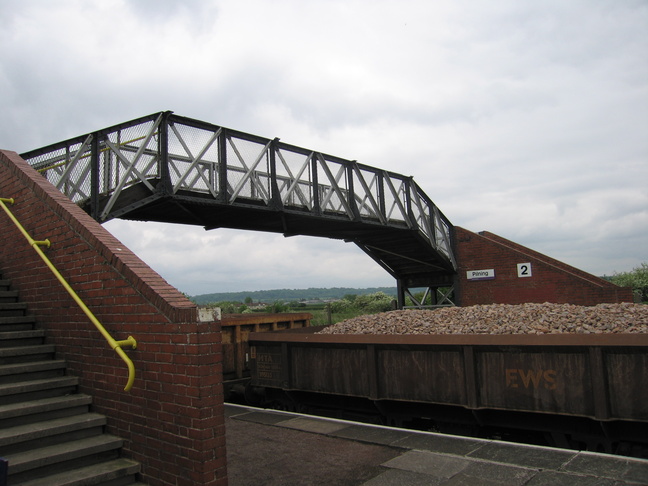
[[400, 293], [433, 296]]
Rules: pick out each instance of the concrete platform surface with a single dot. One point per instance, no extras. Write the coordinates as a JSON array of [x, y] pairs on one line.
[[269, 447]]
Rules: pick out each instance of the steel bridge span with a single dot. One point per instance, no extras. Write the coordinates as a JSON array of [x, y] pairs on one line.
[[168, 168]]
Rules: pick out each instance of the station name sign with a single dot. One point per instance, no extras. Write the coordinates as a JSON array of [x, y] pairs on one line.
[[481, 274]]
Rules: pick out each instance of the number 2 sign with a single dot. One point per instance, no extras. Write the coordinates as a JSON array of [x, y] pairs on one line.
[[524, 269]]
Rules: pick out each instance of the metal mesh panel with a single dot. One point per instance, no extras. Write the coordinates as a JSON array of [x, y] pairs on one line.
[[420, 213], [294, 179], [248, 169], [395, 199], [128, 156], [67, 168], [367, 194], [193, 159], [334, 189], [442, 235]]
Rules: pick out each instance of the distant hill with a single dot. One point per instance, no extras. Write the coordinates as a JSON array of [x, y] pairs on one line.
[[284, 295]]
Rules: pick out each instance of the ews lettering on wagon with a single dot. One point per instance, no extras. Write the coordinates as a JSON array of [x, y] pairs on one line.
[[517, 378]]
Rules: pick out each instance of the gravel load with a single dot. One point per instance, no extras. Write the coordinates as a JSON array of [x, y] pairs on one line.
[[502, 319]]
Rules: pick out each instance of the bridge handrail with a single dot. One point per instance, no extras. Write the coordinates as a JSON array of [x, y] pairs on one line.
[[115, 345], [169, 153]]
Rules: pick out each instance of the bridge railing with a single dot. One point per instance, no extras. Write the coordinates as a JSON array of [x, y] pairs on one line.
[[169, 154]]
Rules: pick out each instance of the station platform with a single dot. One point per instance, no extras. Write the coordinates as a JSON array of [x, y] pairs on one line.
[[271, 447]]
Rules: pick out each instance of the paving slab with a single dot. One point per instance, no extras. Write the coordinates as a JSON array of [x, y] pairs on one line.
[[313, 425], [375, 435], [614, 467], [268, 418], [553, 478], [523, 455], [482, 472], [442, 443], [464, 480], [440, 466], [397, 477]]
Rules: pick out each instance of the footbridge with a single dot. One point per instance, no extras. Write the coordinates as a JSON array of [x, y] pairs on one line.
[[168, 168]]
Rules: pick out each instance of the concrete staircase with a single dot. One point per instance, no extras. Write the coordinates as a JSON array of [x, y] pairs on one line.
[[48, 434]]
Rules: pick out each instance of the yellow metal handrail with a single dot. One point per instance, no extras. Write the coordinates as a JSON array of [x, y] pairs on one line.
[[115, 345]]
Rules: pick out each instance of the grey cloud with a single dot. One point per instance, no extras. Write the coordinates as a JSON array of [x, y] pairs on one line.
[[525, 119]]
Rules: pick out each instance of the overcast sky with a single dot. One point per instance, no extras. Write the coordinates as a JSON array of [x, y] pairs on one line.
[[528, 119]]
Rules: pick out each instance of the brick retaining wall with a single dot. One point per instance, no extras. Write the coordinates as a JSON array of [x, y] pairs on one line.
[[550, 280], [173, 418]]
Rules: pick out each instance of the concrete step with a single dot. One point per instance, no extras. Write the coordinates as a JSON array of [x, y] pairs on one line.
[[17, 323], [33, 370], [44, 461], [14, 440], [8, 295], [21, 413], [21, 338], [22, 354], [46, 456], [36, 389], [12, 309], [36, 385], [31, 367], [47, 432], [117, 472]]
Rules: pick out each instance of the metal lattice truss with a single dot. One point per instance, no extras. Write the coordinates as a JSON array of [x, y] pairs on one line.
[[172, 155], [431, 297]]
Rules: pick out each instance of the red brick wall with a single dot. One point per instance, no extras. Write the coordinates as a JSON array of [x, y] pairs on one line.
[[173, 418], [550, 280]]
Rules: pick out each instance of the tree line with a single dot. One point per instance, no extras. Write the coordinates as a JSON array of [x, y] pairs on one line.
[[286, 295], [637, 278]]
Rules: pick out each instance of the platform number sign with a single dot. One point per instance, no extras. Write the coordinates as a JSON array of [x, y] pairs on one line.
[[524, 269]]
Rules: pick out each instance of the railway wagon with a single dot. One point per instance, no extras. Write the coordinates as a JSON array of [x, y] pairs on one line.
[[235, 329], [585, 391]]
